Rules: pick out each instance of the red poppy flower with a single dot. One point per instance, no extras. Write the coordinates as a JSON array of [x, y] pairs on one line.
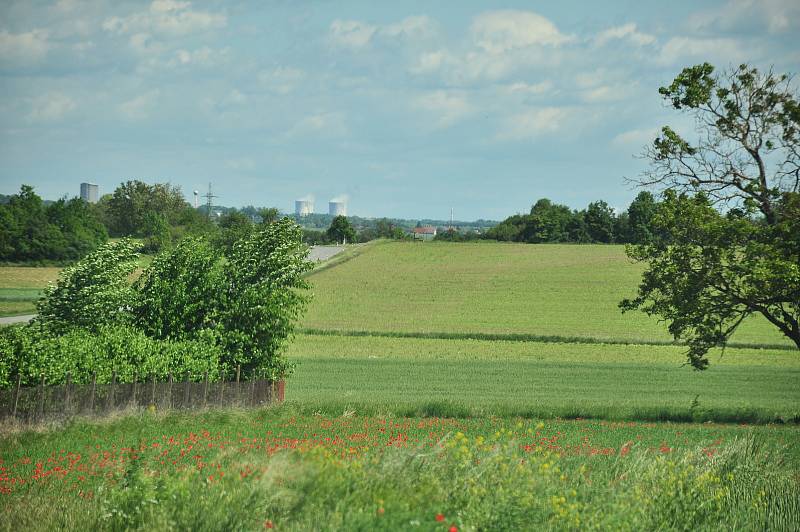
[[454, 528], [440, 517]]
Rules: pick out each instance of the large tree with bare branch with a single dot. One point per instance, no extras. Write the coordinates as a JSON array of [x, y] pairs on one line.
[[731, 209]]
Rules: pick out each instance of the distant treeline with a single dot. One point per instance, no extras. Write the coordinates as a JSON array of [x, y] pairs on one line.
[[59, 231], [34, 230], [597, 223]]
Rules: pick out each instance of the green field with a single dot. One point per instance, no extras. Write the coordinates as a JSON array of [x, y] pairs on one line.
[[546, 290], [532, 379], [20, 287], [448, 387], [290, 469]]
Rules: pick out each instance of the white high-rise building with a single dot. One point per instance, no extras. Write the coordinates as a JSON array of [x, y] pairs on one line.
[[90, 192]]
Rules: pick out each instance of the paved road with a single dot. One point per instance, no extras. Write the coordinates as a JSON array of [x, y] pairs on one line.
[[17, 319], [319, 253]]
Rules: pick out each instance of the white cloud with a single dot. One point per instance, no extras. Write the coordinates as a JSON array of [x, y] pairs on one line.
[[203, 56], [691, 48], [351, 33], [415, 27], [429, 62], [533, 123], [774, 16], [626, 31], [281, 80], [635, 138], [139, 108], [447, 107], [356, 34], [23, 48], [535, 89], [501, 31], [330, 124], [50, 107], [166, 17]]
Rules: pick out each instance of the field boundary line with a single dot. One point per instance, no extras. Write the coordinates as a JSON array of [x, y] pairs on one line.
[[522, 337]]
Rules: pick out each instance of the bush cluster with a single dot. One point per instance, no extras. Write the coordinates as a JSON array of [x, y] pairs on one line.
[[193, 310]]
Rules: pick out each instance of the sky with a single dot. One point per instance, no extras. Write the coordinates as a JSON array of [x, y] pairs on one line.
[[406, 109]]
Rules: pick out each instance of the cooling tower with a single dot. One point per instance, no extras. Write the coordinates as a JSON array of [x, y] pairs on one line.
[[337, 208], [303, 207]]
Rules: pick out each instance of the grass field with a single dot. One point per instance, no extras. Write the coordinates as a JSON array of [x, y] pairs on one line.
[[20, 287], [547, 290], [429, 395], [532, 379], [288, 469]]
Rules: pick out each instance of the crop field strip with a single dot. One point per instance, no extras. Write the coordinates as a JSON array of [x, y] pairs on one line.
[[563, 291], [478, 377]]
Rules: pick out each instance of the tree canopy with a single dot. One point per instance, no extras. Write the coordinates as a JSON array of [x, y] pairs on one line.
[[64, 230], [730, 207], [341, 230]]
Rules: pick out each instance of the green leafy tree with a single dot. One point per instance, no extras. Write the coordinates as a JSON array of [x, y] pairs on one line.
[[599, 219], [65, 230], [179, 294], [717, 269], [547, 222], [93, 292], [341, 230], [269, 215], [640, 214], [158, 233], [133, 202], [233, 226], [264, 296]]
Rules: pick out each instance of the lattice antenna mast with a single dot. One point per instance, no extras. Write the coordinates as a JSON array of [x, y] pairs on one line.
[[209, 200]]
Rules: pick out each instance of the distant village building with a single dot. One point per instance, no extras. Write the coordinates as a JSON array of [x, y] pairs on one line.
[[426, 232], [90, 192]]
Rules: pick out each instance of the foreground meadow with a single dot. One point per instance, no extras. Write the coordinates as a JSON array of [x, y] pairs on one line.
[[288, 468]]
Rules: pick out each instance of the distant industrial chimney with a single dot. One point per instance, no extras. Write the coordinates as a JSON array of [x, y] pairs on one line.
[[337, 208], [90, 192]]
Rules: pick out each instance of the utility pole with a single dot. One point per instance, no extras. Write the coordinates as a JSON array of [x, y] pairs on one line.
[[209, 197]]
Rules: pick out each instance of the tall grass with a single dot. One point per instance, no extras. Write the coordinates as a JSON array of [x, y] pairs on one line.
[[484, 481]]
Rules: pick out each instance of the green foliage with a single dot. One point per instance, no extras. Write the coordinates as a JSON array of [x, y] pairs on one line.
[[94, 292], [552, 223], [179, 294], [132, 206], [341, 230], [717, 269], [263, 296], [158, 233], [65, 230], [640, 215], [599, 219], [29, 353], [233, 226]]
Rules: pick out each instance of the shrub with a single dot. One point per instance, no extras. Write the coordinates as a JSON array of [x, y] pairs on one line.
[[30, 352], [93, 292]]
